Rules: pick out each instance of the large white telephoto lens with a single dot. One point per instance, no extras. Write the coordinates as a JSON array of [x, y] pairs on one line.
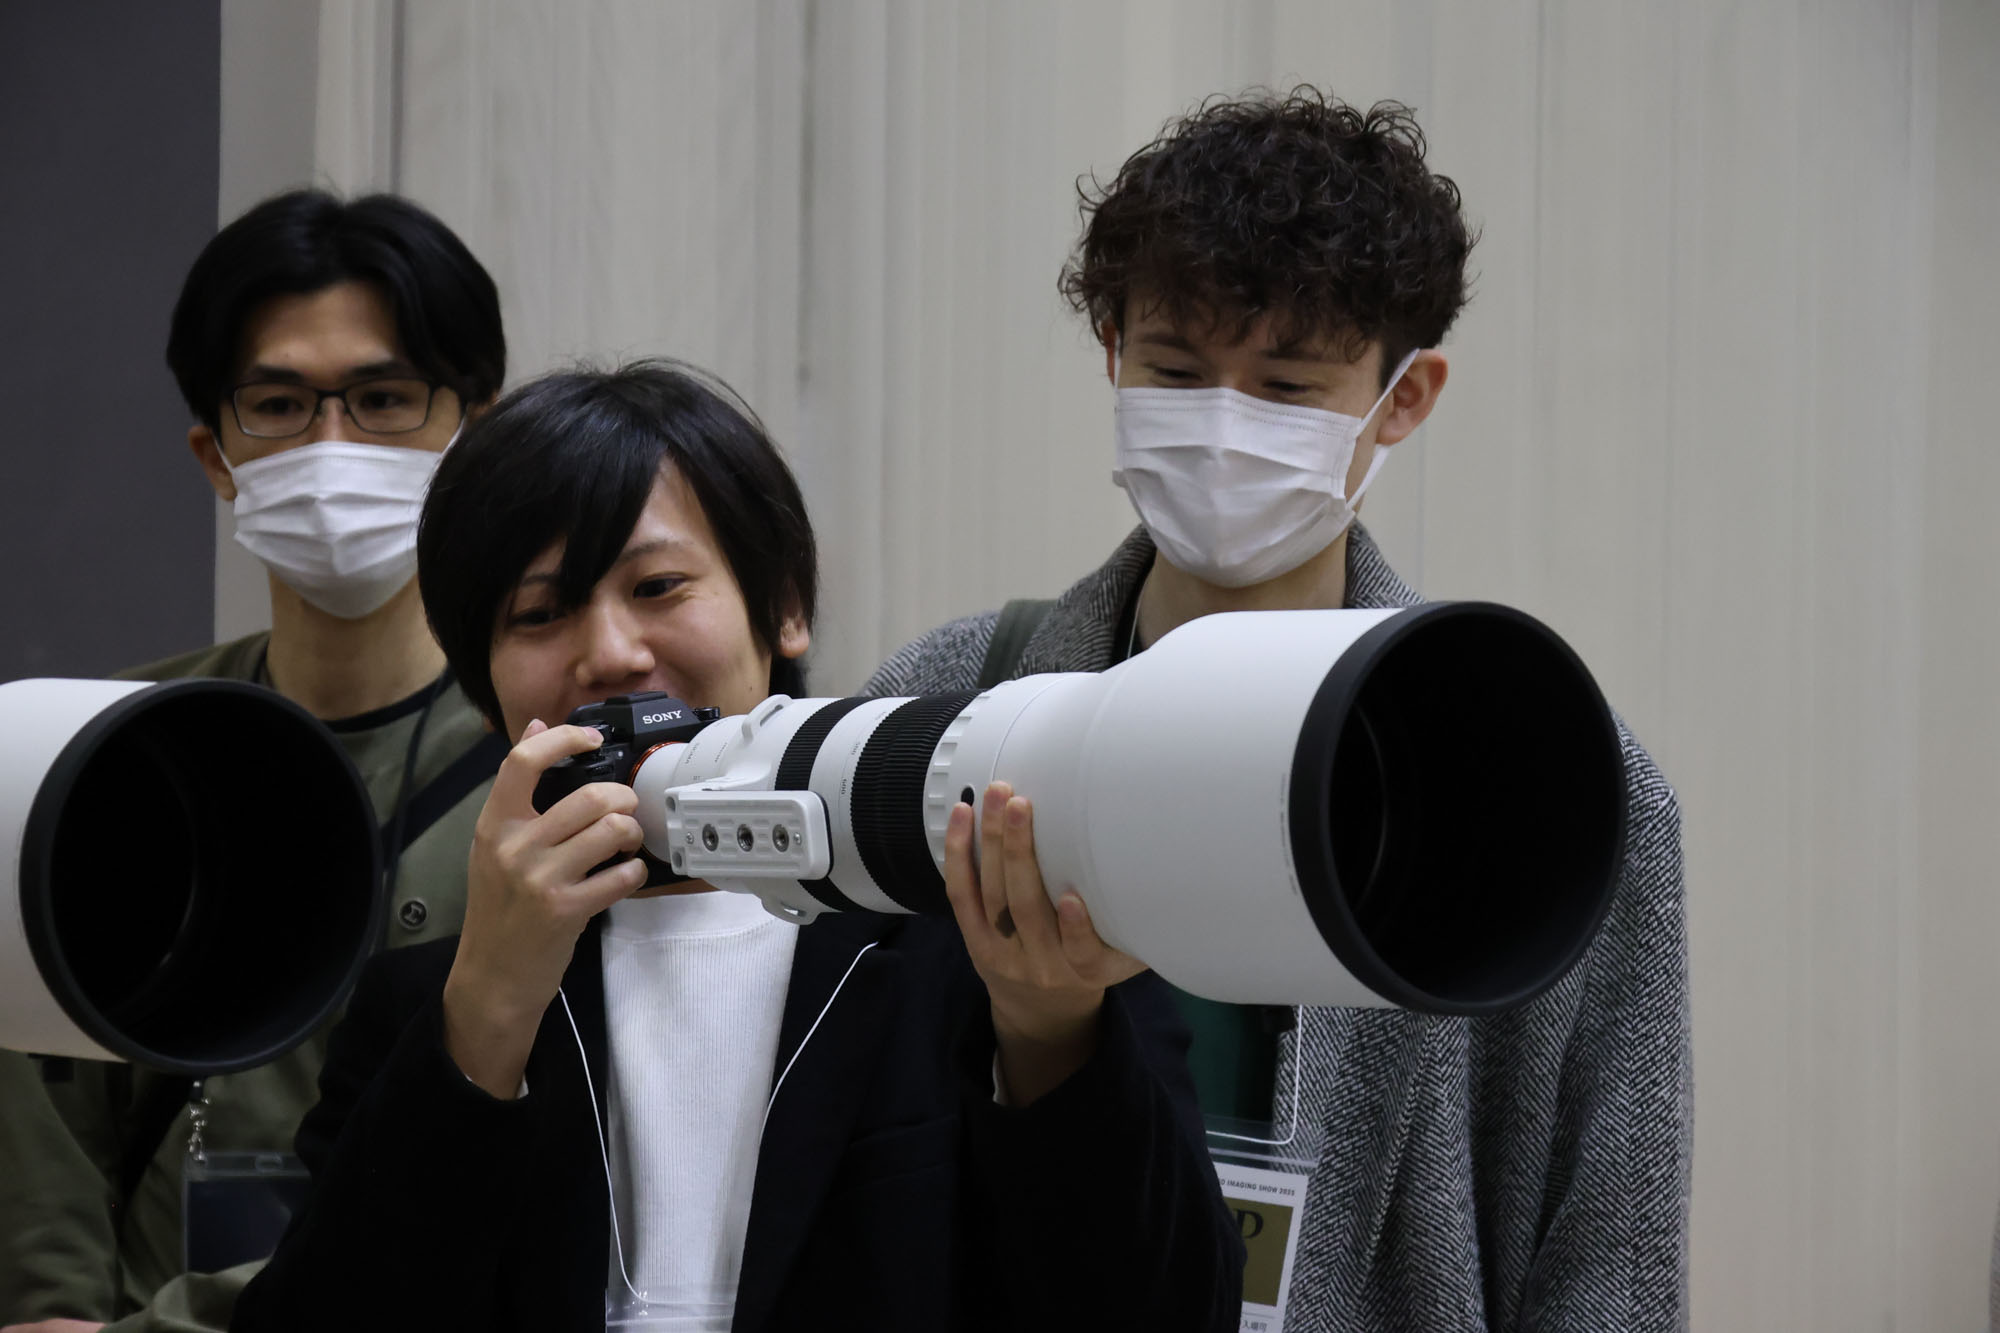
[[191, 876], [1422, 808]]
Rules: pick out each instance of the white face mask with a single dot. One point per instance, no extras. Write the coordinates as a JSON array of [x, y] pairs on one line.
[[336, 521], [1236, 490]]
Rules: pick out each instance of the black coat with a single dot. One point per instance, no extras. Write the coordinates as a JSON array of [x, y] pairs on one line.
[[890, 1193]]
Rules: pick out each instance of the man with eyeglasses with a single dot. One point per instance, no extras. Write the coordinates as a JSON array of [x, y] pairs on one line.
[[330, 352]]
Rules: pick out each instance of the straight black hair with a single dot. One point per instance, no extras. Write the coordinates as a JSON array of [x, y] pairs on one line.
[[446, 307], [572, 458]]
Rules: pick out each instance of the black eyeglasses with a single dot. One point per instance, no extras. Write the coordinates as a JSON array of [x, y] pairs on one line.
[[274, 411]]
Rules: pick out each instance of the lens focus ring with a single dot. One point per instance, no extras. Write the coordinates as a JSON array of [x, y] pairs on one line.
[[887, 808]]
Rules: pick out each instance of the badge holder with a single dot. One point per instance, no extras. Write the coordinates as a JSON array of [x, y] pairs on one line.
[[234, 1205], [1264, 1171]]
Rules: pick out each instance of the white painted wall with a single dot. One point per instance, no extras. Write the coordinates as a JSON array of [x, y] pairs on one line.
[[270, 52], [1716, 413], [1947, 1163]]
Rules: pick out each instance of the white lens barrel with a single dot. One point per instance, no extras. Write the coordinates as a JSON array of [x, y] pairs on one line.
[[191, 876], [784, 744], [39, 718], [1160, 791], [1420, 807]]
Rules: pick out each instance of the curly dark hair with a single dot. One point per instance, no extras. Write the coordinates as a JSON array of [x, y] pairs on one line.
[[1297, 206]]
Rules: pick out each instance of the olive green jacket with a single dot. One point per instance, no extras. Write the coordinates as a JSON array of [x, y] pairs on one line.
[[69, 1246]]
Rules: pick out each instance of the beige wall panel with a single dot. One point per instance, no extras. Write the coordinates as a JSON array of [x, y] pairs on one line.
[[1855, 673], [268, 52], [1734, 723], [629, 172], [1480, 444], [1953, 1183], [1717, 412]]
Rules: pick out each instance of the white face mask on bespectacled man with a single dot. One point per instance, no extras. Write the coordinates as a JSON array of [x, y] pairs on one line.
[[336, 521], [1236, 490]]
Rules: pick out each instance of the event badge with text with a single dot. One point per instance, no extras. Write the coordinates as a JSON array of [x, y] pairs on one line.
[[1267, 1206]]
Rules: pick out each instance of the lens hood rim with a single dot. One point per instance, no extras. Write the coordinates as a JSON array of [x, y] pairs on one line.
[[1311, 788], [35, 887]]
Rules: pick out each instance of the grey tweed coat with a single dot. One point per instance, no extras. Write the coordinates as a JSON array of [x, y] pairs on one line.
[[1527, 1172]]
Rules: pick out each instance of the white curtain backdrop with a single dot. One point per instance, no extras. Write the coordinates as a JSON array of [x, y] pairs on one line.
[[1715, 413]]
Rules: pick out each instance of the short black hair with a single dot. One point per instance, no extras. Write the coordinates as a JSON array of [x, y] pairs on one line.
[[572, 457], [1296, 206], [446, 307]]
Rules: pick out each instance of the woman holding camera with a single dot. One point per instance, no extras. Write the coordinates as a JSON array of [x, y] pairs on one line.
[[666, 1107]]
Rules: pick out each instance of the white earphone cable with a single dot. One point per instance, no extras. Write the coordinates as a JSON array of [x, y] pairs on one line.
[[814, 1028], [603, 1149], [603, 1152]]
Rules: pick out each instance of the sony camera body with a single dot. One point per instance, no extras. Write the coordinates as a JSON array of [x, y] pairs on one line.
[[634, 727]]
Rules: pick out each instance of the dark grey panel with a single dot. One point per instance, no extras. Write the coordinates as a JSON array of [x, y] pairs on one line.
[[109, 139]]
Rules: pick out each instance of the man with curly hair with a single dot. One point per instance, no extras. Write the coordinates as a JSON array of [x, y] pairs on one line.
[[1271, 279]]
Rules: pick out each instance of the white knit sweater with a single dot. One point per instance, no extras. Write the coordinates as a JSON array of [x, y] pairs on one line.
[[694, 988]]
